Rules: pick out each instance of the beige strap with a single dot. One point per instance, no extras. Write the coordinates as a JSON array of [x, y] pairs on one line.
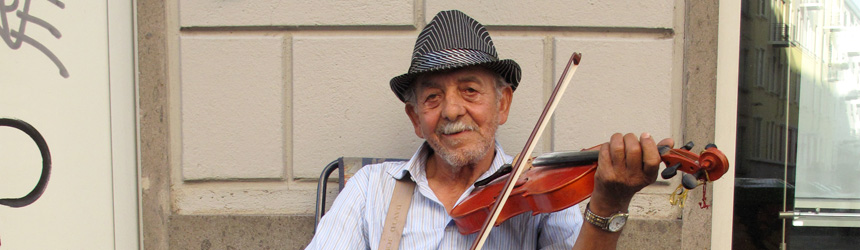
[[397, 210]]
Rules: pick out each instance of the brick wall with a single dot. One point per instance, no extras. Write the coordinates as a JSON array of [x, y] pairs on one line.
[[265, 93]]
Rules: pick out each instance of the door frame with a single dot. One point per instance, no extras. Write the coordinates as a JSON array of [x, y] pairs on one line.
[[728, 49], [122, 48]]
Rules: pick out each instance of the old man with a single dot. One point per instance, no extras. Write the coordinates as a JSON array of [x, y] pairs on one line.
[[457, 92]]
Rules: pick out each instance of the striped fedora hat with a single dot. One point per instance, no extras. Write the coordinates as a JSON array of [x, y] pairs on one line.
[[453, 40]]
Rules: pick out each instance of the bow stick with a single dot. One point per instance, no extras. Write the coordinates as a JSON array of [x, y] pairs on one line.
[[566, 76]]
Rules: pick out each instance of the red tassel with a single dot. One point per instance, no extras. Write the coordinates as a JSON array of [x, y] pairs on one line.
[[704, 203]]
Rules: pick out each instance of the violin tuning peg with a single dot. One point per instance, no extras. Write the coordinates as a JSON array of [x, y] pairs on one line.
[[670, 172], [710, 145], [688, 146], [690, 181]]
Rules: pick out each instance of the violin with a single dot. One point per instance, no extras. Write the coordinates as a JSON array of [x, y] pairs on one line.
[[559, 180]]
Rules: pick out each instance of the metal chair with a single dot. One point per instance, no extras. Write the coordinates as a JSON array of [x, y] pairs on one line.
[[346, 166]]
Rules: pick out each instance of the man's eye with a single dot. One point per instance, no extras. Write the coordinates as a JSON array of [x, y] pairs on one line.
[[471, 91], [431, 97]]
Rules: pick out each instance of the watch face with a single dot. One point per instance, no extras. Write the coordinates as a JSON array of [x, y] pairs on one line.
[[616, 222]]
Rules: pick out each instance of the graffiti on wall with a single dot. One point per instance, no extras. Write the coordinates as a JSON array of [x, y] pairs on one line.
[[15, 38], [46, 164], [15, 18]]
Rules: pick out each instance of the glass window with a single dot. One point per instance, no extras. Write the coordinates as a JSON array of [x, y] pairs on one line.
[[799, 127]]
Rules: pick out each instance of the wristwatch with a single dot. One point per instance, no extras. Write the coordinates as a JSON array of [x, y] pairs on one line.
[[613, 223]]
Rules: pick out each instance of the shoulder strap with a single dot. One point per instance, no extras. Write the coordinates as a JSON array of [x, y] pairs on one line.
[[397, 210]]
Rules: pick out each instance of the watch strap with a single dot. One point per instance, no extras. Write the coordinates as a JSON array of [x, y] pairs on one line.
[[599, 221]]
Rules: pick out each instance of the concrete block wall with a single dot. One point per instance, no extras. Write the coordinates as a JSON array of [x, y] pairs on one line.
[[263, 94], [232, 103]]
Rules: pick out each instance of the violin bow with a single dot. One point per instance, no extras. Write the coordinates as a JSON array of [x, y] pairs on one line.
[[518, 168]]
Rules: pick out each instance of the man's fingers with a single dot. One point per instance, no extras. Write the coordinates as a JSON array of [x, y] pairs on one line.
[[616, 149], [626, 165], [650, 156], [633, 153], [604, 159]]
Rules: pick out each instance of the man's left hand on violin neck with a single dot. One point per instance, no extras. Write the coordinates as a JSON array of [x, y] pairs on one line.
[[626, 164]]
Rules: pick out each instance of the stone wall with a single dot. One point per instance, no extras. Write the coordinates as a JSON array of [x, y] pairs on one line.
[[244, 102]]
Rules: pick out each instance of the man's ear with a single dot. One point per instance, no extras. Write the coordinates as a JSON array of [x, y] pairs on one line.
[[505, 104], [410, 111]]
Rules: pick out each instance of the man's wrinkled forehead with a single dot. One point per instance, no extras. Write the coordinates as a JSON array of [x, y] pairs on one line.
[[432, 79]]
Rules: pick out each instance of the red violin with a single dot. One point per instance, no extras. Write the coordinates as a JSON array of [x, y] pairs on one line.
[[562, 179]]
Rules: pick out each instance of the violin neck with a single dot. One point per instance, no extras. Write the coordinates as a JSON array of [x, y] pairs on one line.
[[575, 158], [566, 159]]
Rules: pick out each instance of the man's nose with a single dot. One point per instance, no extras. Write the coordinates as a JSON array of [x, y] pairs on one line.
[[453, 108]]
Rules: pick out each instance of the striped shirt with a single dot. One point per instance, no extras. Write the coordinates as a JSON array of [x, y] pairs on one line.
[[356, 218]]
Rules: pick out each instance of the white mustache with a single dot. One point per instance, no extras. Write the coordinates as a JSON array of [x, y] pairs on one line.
[[455, 127]]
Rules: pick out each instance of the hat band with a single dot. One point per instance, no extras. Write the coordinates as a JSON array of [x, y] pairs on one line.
[[449, 58]]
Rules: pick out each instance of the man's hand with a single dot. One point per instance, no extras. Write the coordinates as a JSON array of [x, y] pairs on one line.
[[625, 166]]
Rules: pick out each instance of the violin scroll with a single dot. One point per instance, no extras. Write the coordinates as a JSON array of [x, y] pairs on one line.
[[709, 165]]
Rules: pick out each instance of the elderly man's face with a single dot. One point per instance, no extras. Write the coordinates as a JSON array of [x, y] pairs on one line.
[[458, 112]]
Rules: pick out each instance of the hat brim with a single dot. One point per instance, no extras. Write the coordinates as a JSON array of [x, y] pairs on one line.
[[507, 68]]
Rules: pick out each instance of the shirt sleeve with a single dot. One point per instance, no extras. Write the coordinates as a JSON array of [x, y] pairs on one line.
[[559, 230], [343, 226]]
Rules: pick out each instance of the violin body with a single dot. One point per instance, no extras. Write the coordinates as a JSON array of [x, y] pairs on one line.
[[558, 188], [561, 188], [471, 214]]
